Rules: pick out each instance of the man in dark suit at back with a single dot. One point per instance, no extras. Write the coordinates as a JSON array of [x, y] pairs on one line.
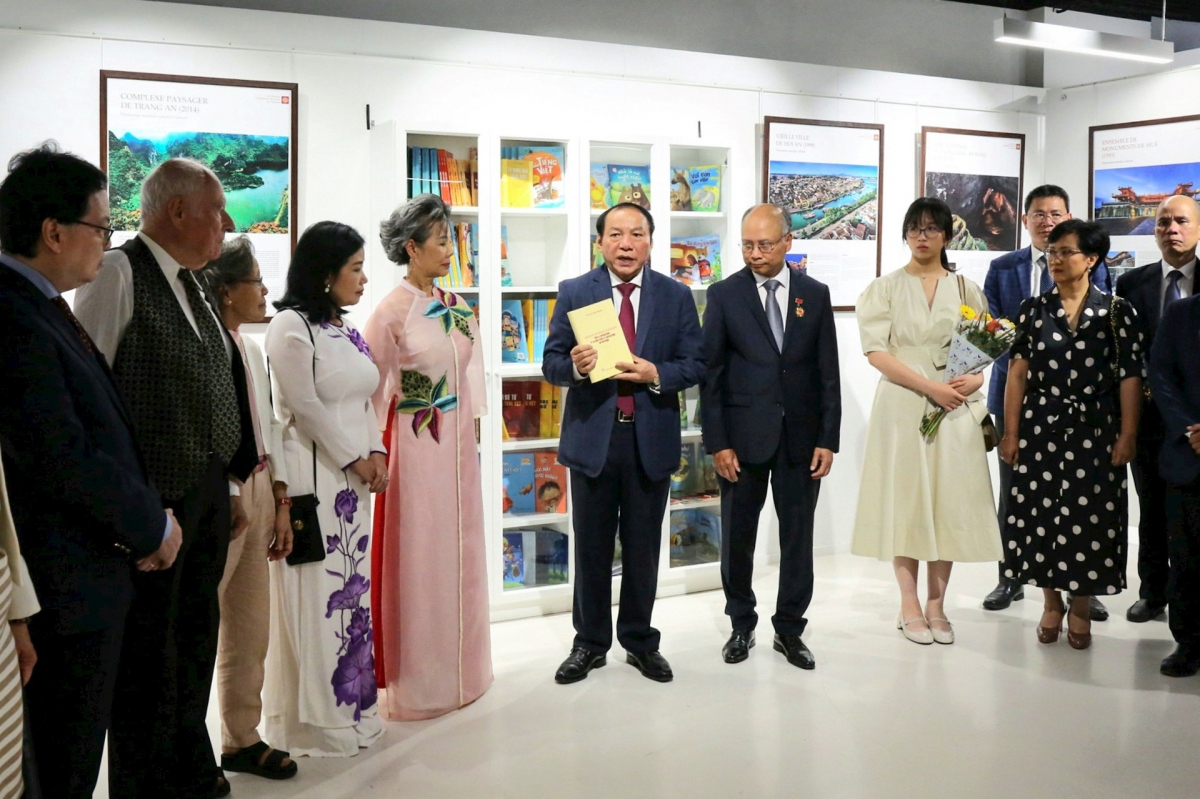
[[620, 438], [1011, 279], [80, 494], [772, 409], [1175, 384], [1150, 289]]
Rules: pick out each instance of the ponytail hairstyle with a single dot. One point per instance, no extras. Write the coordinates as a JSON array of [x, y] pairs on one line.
[[941, 216]]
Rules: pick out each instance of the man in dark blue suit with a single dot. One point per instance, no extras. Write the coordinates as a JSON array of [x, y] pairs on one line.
[[620, 438], [772, 408], [1011, 279], [1150, 289], [81, 500], [1175, 384]]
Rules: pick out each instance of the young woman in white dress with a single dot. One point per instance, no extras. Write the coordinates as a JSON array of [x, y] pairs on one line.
[[923, 500], [321, 696]]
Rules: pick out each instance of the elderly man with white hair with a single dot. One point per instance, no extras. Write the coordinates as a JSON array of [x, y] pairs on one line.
[[184, 383]]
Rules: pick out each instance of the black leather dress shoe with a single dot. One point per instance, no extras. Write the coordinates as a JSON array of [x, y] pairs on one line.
[[651, 665], [577, 665], [1183, 662], [1144, 610], [738, 647], [1096, 609], [1004, 595], [795, 651]]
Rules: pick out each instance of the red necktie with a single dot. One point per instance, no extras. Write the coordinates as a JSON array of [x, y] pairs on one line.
[[624, 387], [83, 336]]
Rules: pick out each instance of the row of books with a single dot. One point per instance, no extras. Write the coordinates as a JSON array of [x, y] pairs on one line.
[[531, 176], [695, 260], [535, 557], [534, 482], [530, 409], [693, 188], [435, 171], [696, 477], [524, 326], [463, 261]]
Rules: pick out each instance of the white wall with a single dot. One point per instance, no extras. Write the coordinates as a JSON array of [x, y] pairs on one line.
[[453, 80]]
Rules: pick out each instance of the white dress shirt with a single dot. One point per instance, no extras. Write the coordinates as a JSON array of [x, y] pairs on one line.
[[1035, 276], [1185, 283], [781, 294]]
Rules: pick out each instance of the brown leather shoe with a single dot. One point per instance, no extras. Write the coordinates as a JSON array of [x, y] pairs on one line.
[[1079, 640], [1048, 635]]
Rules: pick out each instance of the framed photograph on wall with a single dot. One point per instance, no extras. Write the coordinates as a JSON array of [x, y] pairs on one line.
[[245, 131], [1133, 167], [980, 175], [829, 176]]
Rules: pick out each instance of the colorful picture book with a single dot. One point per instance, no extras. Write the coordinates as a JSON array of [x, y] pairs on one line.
[[696, 260], [524, 327], [439, 172], [597, 255], [505, 272], [598, 187], [550, 483], [537, 184], [696, 477], [465, 257], [518, 483], [535, 557], [695, 536], [530, 409], [705, 187], [514, 338], [629, 184]]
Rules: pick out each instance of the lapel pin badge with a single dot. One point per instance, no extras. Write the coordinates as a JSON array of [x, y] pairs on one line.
[[799, 306]]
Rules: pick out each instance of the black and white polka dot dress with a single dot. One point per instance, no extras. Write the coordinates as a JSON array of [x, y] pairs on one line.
[[1067, 514]]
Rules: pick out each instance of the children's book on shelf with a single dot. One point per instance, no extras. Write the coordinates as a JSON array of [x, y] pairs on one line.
[[685, 480], [705, 187], [514, 345], [505, 272], [681, 189], [516, 183], [521, 408], [629, 184], [550, 483], [546, 176], [462, 273], [550, 424], [696, 260], [537, 319], [599, 187], [519, 478], [597, 254], [534, 557], [695, 536]]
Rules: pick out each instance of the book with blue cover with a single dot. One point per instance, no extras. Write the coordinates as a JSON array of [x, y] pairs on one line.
[[514, 346], [706, 187], [629, 184], [519, 481]]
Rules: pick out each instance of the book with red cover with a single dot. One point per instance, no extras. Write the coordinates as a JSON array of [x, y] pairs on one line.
[[550, 483], [521, 408], [443, 176]]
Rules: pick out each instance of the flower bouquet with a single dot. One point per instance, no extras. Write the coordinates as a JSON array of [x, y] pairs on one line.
[[978, 340]]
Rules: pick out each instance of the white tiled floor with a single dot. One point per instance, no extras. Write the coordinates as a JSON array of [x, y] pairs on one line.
[[994, 715]]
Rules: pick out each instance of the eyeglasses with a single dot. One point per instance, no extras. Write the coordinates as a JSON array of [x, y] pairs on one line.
[[765, 247], [930, 232], [257, 280], [1042, 216], [1055, 254], [108, 232]]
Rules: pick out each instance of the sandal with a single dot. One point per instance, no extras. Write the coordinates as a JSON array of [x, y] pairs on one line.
[[260, 760], [221, 788]]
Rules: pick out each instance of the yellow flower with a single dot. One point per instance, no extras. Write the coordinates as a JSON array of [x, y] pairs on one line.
[[967, 312]]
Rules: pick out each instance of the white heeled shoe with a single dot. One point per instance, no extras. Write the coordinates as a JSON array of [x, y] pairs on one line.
[[916, 636], [941, 636]]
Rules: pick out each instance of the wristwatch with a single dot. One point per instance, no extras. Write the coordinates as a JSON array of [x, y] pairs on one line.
[[285, 502]]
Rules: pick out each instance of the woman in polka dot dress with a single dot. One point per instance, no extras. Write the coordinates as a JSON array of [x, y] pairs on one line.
[[1071, 412]]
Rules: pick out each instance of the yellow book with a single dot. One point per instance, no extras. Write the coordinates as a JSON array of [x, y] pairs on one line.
[[527, 312], [597, 324], [545, 403], [555, 417], [516, 183]]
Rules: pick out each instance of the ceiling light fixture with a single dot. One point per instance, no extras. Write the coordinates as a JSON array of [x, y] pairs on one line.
[[1086, 42]]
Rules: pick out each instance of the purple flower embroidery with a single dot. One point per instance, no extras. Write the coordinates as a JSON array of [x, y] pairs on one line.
[[351, 335], [345, 505], [360, 625], [347, 597], [354, 678]]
